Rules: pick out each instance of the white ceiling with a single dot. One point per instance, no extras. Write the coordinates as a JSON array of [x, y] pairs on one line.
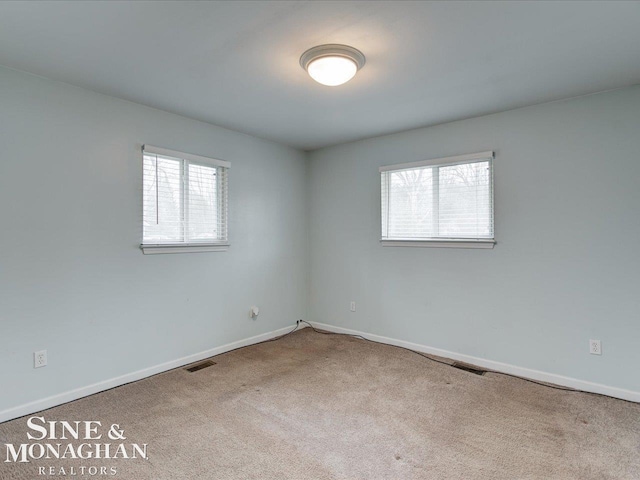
[[235, 64]]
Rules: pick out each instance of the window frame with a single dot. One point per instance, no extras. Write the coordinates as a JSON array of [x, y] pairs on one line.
[[437, 241], [187, 159]]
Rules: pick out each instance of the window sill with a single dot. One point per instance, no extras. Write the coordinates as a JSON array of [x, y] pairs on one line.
[[183, 248], [440, 243]]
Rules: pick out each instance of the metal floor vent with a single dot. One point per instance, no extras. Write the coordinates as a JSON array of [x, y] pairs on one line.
[[468, 368], [200, 366]]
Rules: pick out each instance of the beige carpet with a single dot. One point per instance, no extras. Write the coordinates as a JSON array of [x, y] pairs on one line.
[[314, 406]]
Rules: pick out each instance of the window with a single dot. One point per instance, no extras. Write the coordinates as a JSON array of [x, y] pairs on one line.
[[184, 202], [443, 202]]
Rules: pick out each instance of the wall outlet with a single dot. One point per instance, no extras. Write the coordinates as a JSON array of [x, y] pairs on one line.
[[353, 306], [39, 359], [594, 347]]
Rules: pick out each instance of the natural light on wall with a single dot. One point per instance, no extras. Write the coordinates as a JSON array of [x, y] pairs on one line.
[[442, 202]]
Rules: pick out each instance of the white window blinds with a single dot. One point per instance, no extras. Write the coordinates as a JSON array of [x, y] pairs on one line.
[[184, 199], [439, 200]]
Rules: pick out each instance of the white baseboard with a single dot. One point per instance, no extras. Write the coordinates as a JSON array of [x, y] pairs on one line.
[[59, 399], [52, 401], [493, 365]]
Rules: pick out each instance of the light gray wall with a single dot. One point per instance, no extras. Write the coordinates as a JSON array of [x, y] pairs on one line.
[[567, 222], [305, 236], [72, 278]]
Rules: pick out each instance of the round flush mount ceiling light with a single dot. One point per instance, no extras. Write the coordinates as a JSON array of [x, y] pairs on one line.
[[332, 64]]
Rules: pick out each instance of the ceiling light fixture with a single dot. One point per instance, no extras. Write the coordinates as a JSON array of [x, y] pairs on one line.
[[332, 64]]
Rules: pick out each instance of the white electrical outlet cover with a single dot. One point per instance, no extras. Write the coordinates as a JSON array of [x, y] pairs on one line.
[[595, 347], [39, 359]]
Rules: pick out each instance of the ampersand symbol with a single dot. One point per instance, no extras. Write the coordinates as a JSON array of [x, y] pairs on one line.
[[116, 433]]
